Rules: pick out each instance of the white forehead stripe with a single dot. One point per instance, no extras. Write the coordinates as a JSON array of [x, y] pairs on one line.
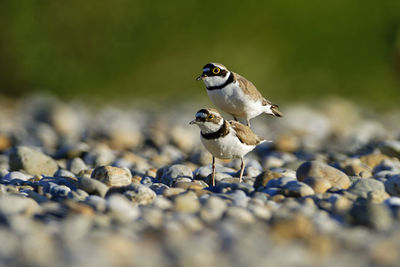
[[219, 66]]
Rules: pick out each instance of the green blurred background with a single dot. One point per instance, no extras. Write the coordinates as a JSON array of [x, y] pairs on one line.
[[131, 49]]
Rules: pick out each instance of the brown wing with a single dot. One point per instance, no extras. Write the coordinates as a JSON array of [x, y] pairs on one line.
[[245, 134], [248, 87]]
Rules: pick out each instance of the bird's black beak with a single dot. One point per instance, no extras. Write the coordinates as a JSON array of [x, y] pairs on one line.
[[201, 77], [193, 122]]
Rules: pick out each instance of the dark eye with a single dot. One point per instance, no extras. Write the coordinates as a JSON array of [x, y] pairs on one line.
[[211, 116], [216, 70]]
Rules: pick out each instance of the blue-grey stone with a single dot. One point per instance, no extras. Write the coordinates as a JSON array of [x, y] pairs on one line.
[[362, 186], [280, 182], [168, 175]]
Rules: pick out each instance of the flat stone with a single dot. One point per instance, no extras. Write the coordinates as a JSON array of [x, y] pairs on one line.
[[319, 169], [76, 165], [318, 184], [168, 175], [112, 176], [265, 177], [64, 173], [32, 161], [92, 186], [137, 193], [280, 182], [272, 191], [297, 189], [363, 186]]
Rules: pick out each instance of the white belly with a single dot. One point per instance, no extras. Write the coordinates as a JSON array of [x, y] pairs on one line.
[[232, 100], [226, 147]]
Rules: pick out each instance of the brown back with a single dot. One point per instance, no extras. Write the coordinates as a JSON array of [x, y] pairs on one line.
[[245, 134]]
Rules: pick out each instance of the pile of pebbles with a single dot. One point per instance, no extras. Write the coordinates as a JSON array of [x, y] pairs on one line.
[[109, 186]]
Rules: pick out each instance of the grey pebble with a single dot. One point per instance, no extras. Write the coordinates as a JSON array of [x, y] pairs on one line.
[[32, 161], [362, 186], [112, 176], [271, 191], [168, 175], [318, 169], [64, 173], [280, 182], [297, 189], [137, 193], [76, 165], [60, 191], [92, 186]]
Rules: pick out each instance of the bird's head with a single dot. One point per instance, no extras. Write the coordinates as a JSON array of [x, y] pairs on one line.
[[209, 120]]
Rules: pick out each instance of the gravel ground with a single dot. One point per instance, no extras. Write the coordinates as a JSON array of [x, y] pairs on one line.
[[116, 186]]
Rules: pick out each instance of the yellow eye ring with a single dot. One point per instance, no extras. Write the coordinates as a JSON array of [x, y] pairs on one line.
[[216, 70], [211, 116]]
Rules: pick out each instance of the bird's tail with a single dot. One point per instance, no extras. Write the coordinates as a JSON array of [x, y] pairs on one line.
[[275, 111]]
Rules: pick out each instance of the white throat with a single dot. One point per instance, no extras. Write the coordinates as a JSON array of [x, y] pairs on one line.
[[215, 80], [210, 127]]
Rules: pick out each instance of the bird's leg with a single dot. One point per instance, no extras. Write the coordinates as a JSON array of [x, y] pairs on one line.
[[248, 122], [234, 117], [241, 170], [213, 171]]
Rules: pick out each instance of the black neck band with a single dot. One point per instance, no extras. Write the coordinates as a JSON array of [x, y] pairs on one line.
[[223, 131], [228, 81]]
